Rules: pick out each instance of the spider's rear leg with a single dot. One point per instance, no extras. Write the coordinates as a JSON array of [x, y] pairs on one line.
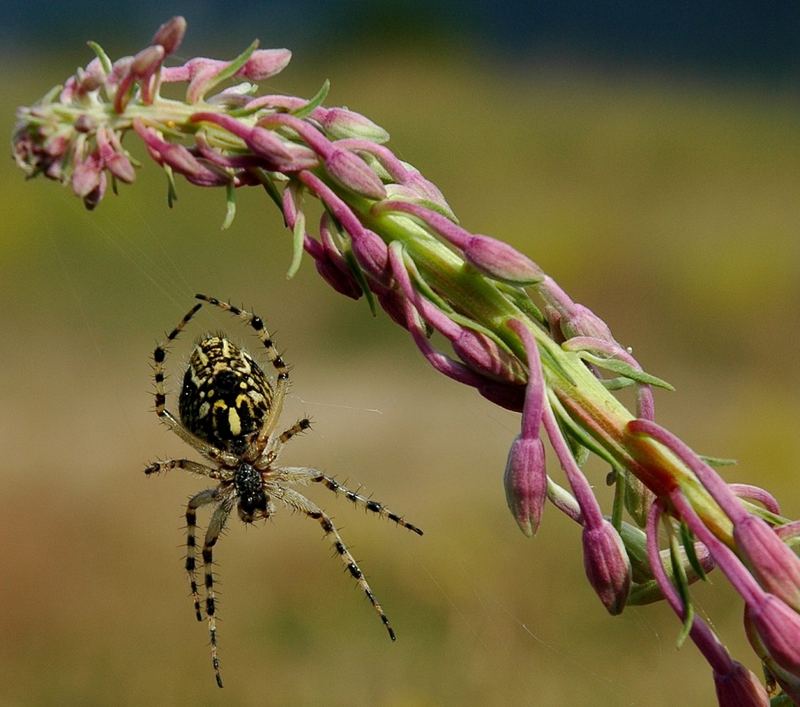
[[301, 503], [302, 474], [201, 499], [215, 526]]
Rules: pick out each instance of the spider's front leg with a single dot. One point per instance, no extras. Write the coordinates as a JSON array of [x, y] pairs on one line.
[[186, 464], [302, 474]]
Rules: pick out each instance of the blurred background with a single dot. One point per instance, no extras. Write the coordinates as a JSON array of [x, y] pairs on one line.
[[647, 155]]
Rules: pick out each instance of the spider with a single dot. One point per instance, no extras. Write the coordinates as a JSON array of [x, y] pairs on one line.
[[228, 412]]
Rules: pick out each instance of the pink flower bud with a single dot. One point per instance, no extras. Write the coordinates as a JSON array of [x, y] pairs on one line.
[[773, 563], [265, 143], [394, 305], [607, 566], [739, 688], [500, 261], [371, 253], [91, 78], [510, 397], [344, 123], [344, 284], [93, 198], [202, 72], [264, 63], [86, 175], [483, 355], [581, 321], [778, 627], [170, 34], [120, 166], [525, 481], [353, 173], [147, 61], [85, 124]]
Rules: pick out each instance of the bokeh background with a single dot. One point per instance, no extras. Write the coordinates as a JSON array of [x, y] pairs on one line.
[[647, 155]]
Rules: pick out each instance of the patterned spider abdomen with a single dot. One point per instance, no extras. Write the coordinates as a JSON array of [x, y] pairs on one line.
[[225, 396]]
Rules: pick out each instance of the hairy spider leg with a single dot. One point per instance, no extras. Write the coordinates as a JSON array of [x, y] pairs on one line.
[[186, 464], [273, 449], [200, 499], [215, 526], [159, 357], [282, 370], [302, 474], [301, 503]]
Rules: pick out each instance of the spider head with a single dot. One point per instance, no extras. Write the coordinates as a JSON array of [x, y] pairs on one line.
[[253, 502]]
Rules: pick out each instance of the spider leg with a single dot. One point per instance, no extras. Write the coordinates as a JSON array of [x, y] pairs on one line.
[[301, 474], [296, 500], [215, 526], [201, 499], [159, 357], [273, 449], [282, 370], [186, 464]]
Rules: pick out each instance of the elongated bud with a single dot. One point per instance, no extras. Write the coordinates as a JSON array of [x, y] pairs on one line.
[[487, 357], [525, 481], [352, 172], [339, 281], [202, 72], [790, 683], [170, 34], [774, 563], [739, 688], [86, 175], [778, 627], [90, 78], [501, 262], [265, 63], [607, 566], [341, 123], [371, 253], [95, 196], [510, 397], [265, 143], [147, 60], [581, 321]]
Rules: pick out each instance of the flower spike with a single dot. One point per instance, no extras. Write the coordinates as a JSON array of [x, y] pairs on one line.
[[388, 233]]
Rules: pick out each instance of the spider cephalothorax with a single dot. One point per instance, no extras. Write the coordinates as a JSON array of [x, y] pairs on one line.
[[228, 412]]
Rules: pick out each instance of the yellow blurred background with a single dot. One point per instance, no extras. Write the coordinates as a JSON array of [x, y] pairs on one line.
[[669, 207]]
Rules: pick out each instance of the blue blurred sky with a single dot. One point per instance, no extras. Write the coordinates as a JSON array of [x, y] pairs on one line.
[[734, 39]]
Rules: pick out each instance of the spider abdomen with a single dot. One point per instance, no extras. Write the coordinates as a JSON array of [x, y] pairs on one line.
[[225, 396]]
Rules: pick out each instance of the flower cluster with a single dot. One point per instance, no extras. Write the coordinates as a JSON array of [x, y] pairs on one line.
[[510, 332]]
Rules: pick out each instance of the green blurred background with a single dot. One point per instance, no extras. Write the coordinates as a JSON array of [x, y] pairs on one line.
[[662, 195]]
